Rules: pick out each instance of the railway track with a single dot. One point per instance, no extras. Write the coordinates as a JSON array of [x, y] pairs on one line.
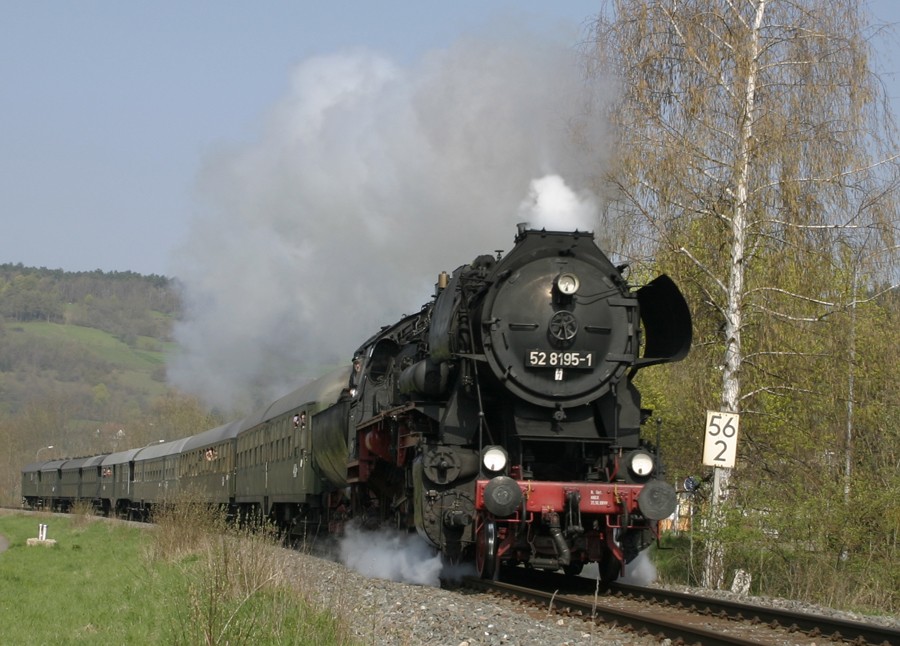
[[684, 618], [813, 626]]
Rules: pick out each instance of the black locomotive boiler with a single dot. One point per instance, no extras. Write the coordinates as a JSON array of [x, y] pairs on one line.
[[500, 422]]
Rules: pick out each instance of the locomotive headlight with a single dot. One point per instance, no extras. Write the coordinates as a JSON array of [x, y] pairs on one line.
[[567, 284], [641, 464], [494, 459]]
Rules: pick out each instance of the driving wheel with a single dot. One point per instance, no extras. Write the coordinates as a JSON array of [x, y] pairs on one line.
[[486, 550]]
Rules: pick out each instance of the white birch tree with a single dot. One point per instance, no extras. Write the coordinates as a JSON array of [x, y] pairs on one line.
[[754, 139]]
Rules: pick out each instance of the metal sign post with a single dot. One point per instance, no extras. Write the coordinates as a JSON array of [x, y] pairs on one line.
[[719, 452]]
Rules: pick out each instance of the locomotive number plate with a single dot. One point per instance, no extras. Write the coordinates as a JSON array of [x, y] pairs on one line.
[[583, 360]]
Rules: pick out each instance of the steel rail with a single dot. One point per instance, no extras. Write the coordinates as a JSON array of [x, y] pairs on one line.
[[616, 618], [813, 625]]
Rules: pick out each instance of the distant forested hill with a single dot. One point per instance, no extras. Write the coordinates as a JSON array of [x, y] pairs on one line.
[[125, 304], [82, 365]]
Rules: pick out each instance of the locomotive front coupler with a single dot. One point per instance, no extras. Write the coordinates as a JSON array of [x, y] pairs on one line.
[[573, 514], [564, 556]]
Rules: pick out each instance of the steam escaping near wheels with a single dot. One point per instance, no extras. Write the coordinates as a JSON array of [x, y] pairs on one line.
[[641, 571], [392, 555]]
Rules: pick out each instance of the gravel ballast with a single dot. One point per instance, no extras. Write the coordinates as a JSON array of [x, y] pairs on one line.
[[380, 611]]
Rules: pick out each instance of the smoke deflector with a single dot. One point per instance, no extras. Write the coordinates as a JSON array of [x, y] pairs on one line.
[[666, 320]]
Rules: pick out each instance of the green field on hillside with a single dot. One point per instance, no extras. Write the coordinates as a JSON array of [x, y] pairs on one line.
[[147, 353], [72, 353]]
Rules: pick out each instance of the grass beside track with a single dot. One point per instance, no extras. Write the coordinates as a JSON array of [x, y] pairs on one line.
[[121, 584]]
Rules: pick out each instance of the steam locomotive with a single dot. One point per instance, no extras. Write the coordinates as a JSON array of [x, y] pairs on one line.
[[500, 423]]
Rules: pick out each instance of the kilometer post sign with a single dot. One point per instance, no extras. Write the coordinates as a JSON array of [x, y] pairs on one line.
[[720, 445]]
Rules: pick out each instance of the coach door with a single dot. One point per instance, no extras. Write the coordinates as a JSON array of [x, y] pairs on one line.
[[302, 470]]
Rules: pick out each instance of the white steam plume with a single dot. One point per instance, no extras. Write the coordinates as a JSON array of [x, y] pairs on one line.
[[641, 571], [391, 555], [367, 181], [552, 205]]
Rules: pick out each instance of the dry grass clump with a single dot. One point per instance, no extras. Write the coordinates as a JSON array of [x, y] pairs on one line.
[[234, 587], [183, 525], [82, 513]]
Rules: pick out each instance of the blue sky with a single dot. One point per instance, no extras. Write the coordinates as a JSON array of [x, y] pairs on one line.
[[109, 108]]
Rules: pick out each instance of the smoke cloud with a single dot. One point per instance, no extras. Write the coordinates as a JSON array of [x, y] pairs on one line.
[[366, 181]]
